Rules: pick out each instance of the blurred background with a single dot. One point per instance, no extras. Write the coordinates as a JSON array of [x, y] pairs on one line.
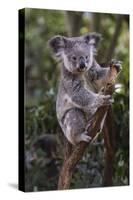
[[43, 136]]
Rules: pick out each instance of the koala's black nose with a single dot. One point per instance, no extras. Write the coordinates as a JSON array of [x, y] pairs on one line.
[[82, 64]]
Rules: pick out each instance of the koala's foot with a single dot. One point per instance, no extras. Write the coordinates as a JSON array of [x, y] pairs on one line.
[[73, 126], [85, 137], [116, 65]]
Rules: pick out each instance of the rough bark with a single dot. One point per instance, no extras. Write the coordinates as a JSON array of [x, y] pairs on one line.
[[109, 141], [109, 158]]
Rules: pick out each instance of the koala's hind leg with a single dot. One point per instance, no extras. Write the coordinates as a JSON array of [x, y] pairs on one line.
[[74, 125]]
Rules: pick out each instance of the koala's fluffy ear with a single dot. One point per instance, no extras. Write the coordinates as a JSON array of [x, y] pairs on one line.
[[93, 39], [57, 44]]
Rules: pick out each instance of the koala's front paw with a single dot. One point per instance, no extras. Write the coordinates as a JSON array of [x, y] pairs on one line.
[[115, 64], [104, 100]]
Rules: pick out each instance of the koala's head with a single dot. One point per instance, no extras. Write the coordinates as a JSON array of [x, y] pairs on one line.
[[77, 53]]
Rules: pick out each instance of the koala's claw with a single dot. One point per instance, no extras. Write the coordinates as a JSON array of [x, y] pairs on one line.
[[106, 96], [116, 64]]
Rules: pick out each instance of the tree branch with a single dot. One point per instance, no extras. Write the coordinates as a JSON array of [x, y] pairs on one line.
[[73, 154]]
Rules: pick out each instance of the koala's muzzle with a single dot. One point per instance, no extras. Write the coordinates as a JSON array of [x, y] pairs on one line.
[[82, 63]]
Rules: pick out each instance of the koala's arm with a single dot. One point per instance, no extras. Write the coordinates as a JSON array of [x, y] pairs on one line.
[[85, 99], [101, 76]]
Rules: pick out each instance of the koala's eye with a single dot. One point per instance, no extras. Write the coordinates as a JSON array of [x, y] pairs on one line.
[[74, 58]]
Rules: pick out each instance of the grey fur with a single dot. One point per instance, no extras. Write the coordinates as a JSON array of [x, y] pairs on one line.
[[81, 81]]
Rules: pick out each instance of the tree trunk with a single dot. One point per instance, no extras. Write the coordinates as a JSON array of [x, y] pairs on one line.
[[96, 25], [74, 22], [114, 38]]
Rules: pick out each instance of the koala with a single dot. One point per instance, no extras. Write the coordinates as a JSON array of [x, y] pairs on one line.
[[81, 81]]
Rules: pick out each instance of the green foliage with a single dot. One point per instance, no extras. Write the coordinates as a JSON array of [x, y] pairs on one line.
[[41, 79]]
